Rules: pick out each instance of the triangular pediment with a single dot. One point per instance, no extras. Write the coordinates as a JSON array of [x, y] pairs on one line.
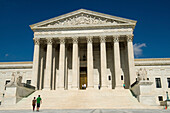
[[83, 17]]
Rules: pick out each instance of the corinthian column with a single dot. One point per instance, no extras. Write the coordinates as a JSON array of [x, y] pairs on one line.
[[90, 62], [35, 71], [54, 68], [47, 78], [103, 62], [131, 64], [41, 65], [75, 80], [61, 64], [117, 68]]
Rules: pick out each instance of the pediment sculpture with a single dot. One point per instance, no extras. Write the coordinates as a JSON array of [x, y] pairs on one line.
[[82, 19]]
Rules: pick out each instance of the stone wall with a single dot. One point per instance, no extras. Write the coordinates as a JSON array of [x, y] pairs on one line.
[[6, 69], [156, 68]]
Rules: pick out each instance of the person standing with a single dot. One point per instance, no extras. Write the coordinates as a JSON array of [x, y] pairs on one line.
[[124, 85], [34, 103], [39, 101], [99, 86]]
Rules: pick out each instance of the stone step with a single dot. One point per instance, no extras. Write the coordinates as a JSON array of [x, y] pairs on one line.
[[83, 99]]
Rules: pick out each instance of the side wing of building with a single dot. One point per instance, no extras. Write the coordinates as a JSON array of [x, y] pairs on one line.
[[23, 69], [157, 70]]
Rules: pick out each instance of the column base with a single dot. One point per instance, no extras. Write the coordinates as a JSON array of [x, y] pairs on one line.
[[60, 88], [74, 88], [104, 88], [90, 88], [46, 89], [119, 87]]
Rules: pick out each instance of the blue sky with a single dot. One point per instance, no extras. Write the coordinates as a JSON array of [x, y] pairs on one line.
[[151, 35]]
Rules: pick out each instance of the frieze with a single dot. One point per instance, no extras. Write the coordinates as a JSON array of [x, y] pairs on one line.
[[51, 32]]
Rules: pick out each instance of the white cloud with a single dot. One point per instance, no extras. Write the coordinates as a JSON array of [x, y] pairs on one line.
[[6, 55], [137, 47]]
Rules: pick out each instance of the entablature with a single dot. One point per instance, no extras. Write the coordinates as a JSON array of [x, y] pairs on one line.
[[82, 33], [83, 39]]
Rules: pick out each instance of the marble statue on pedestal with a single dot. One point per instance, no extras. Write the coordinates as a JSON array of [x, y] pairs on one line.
[[15, 80], [141, 74]]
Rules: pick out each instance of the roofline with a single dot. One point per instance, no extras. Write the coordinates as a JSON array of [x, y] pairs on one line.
[[152, 59], [143, 59], [29, 62], [82, 27], [82, 10]]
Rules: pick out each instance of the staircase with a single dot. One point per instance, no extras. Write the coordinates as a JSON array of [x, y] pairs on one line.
[[84, 99]]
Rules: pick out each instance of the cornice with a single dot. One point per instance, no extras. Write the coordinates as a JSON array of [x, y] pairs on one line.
[[1, 63], [87, 27], [152, 62], [153, 59], [16, 65]]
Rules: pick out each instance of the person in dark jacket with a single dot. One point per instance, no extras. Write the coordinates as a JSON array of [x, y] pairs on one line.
[[34, 103]]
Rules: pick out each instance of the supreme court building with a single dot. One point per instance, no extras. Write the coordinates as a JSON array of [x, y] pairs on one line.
[[89, 51], [83, 47]]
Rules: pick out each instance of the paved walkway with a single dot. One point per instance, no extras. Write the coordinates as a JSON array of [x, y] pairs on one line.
[[91, 111]]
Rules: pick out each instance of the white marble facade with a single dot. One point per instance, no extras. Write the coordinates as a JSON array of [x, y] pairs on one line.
[[86, 47], [98, 44]]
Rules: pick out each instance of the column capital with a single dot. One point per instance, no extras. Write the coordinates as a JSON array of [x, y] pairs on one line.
[[49, 41], [75, 40], [102, 39], [129, 38], [89, 39], [36, 41], [116, 38], [62, 40]]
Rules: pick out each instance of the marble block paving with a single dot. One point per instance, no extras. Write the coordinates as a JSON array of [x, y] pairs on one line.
[[90, 111]]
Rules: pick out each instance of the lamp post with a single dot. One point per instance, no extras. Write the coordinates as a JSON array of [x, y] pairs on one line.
[[166, 106], [167, 95]]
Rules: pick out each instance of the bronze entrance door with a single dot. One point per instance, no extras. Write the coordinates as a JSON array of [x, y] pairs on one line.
[[83, 78]]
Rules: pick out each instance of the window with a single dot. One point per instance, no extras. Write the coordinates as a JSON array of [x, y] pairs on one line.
[[158, 82], [28, 82], [84, 58], [7, 81], [160, 98], [168, 80], [109, 77], [121, 77]]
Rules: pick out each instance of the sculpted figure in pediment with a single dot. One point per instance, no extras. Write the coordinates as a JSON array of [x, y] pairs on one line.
[[83, 20]]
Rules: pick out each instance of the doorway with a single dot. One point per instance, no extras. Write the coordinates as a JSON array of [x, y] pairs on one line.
[[83, 78]]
